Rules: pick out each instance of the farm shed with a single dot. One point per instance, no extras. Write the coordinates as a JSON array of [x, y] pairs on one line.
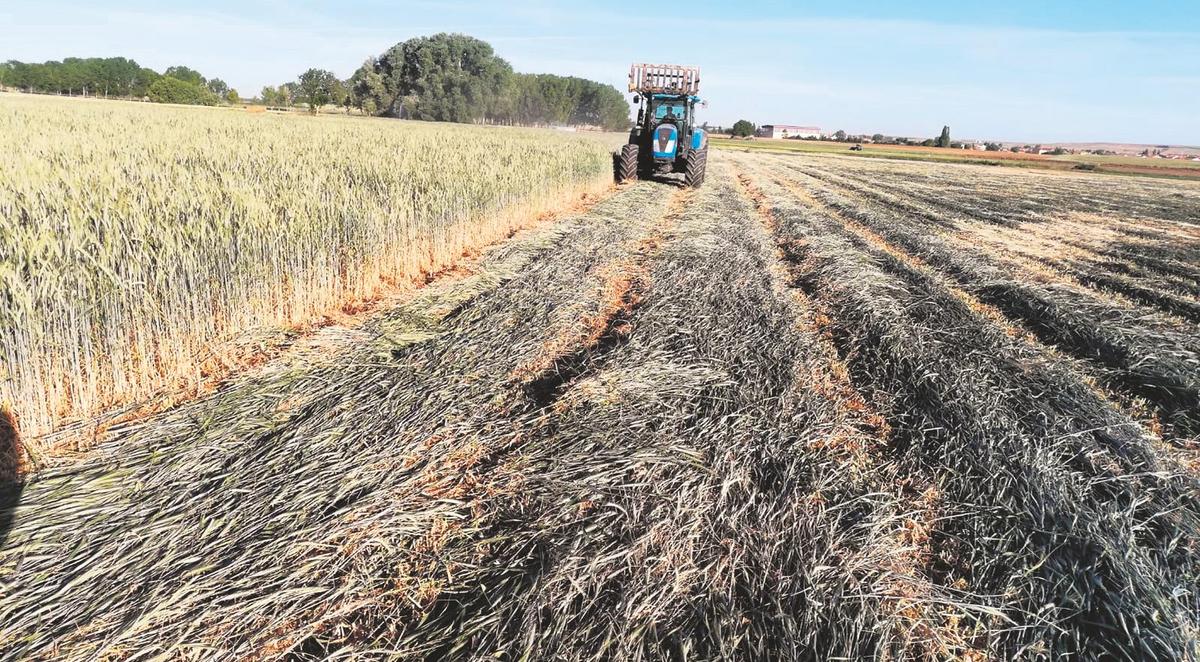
[[788, 131]]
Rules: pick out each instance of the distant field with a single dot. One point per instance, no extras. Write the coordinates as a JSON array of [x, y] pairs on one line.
[[1128, 165], [1129, 161]]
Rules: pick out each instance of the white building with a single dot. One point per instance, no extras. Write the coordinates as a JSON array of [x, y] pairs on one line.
[[788, 131]]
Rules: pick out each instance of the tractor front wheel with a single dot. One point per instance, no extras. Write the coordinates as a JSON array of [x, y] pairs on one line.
[[627, 164], [697, 162]]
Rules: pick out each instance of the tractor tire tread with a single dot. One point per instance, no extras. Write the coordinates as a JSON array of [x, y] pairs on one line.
[[697, 165], [627, 164]]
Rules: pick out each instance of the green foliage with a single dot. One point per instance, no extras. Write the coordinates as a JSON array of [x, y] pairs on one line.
[[316, 88], [114, 76], [929, 142], [534, 99], [1014, 149], [992, 147], [172, 90], [944, 139], [232, 96], [877, 138], [185, 74], [277, 96], [367, 90], [742, 129], [1058, 151], [445, 77], [839, 135], [456, 78]]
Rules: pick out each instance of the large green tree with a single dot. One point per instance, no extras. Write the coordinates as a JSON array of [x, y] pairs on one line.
[[317, 87], [367, 90], [185, 74], [944, 139], [169, 89], [217, 86], [742, 129], [445, 77], [457, 78]]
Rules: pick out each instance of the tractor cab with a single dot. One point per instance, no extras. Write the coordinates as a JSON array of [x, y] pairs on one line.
[[667, 108], [664, 139]]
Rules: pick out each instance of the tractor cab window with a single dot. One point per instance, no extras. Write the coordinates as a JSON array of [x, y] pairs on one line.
[[676, 111]]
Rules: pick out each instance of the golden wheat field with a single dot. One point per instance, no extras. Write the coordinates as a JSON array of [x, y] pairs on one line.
[[137, 236]]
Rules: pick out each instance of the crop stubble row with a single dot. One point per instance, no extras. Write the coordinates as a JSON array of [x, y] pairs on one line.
[[1054, 500]]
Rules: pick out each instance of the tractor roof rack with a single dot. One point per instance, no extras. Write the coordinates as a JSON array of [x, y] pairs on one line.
[[664, 79]]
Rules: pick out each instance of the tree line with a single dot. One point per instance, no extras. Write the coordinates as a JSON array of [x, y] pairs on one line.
[[443, 77], [115, 77], [456, 78]]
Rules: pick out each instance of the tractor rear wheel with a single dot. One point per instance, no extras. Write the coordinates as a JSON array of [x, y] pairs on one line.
[[697, 163], [627, 164]]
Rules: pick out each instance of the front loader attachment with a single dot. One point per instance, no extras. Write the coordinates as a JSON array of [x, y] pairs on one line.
[[673, 79]]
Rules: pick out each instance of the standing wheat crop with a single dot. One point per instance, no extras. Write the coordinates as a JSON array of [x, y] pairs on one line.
[[134, 236]]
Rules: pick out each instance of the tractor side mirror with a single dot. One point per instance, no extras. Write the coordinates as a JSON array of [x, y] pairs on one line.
[[636, 99]]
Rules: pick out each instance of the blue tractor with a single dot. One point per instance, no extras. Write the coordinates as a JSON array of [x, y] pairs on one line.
[[665, 138]]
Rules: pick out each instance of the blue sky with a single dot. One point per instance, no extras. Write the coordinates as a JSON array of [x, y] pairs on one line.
[[1015, 70]]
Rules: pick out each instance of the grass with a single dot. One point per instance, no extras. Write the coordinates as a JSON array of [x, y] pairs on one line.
[[143, 236], [1130, 160], [1103, 164]]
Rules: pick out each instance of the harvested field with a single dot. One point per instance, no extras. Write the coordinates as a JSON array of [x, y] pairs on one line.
[[821, 408]]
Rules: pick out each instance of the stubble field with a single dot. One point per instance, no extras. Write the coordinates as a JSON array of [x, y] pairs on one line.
[[820, 408]]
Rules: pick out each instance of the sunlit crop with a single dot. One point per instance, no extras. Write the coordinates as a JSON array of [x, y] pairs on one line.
[[133, 236]]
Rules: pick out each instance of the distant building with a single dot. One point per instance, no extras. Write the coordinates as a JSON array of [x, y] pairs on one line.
[[788, 131]]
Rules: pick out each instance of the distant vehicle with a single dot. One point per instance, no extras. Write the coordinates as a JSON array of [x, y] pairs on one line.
[[665, 138], [856, 148]]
